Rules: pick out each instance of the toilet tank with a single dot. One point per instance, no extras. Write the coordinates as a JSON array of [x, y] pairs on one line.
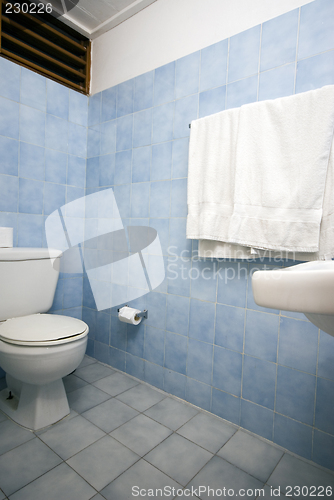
[[28, 280]]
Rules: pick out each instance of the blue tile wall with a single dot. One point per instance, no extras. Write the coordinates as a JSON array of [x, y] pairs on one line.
[[43, 151], [205, 339]]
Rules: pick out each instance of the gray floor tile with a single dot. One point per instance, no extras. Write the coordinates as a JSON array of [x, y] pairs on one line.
[[93, 372], [143, 476], [70, 437], [141, 434], [68, 417], [110, 414], [98, 497], [171, 413], [102, 462], [2, 495], [178, 458], [141, 397], [207, 431], [115, 384], [59, 483], [71, 383], [85, 398], [292, 471], [12, 435], [218, 474], [87, 360], [31, 459], [251, 455], [2, 416]]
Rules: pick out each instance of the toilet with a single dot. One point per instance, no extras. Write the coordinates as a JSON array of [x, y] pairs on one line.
[[36, 349]]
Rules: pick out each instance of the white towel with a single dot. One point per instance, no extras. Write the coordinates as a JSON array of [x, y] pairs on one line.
[[276, 168]]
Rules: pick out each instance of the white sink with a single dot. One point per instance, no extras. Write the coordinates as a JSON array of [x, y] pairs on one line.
[[306, 288]]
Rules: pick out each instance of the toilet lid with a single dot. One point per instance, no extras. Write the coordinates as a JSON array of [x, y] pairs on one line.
[[42, 329]]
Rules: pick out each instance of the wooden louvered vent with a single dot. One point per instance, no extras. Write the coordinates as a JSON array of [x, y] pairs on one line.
[[32, 37]]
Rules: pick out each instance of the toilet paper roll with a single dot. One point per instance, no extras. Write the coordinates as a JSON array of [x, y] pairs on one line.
[[129, 315], [6, 237]]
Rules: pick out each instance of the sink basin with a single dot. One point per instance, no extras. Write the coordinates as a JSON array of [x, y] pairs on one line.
[[306, 288]]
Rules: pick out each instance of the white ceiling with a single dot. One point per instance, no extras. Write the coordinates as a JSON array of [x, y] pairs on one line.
[[94, 17]]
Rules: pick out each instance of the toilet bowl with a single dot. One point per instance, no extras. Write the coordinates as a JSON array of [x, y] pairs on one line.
[[36, 350]]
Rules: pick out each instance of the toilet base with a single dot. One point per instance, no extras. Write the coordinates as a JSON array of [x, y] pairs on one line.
[[38, 406]]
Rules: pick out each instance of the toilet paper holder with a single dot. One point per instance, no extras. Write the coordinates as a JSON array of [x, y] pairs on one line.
[[142, 314]]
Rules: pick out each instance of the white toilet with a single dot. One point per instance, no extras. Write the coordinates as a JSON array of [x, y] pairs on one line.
[[36, 350]]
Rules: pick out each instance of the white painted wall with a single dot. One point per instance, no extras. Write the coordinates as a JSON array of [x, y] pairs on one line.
[[170, 29]]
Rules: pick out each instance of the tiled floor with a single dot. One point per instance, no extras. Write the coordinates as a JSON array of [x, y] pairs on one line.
[[125, 439]]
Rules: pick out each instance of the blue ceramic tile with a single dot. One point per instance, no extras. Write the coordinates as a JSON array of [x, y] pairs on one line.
[[177, 314], [157, 304], [161, 167], [179, 207], [261, 335], [135, 339], [226, 406], [117, 358], [295, 393], [232, 284], [72, 292], [257, 419], [94, 109], [118, 333], [9, 154], [154, 375], [101, 352], [57, 99], [134, 366], [316, 28], [143, 94], [323, 449], [198, 394], [160, 199], [30, 230], [140, 197], [31, 161], [89, 317], [54, 197], [187, 75], [56, 133], [229, 331], [78, 108], [185, 112], [258, 381], [154, 345], [162, 228], [108, 137], [76, 171], [324, 405], [326, 354], [32, 125], [212, 101], [293, 435], [9, 118], [315, 72], [9, 220], [107, 170], [30, 196], [164, 83], [227, 369], [298, 345], [279, 40], [214, 65], [244, 54], [122, 196], [125, 93], [178, 244], [180, 158], [199, 362], [124, 127], [178, 276], [75, 209], [9, 80], [92, 173], [9, 189], [108, 111], [201, 321], [94, 136], [241, 92], [142, 128], [204, 280], [33, 89], [123, 161], [55, 166], [176, 352], [77, 140], [175, 383], [163, 120], [278, 82], [141, 164]]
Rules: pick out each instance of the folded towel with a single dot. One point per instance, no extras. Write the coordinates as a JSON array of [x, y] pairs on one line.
[[275, 168]]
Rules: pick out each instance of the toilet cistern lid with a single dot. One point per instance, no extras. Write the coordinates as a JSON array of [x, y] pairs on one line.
[[41, 329]]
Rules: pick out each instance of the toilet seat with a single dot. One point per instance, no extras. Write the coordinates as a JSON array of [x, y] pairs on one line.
[[42, 330]]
